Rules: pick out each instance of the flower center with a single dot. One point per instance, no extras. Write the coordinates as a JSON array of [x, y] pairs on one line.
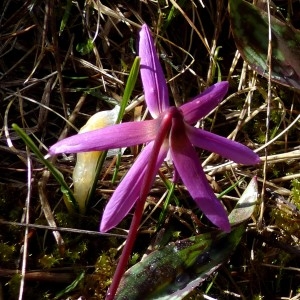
[[172, 116]]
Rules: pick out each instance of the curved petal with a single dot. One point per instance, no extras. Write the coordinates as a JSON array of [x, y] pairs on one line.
[[129, 189], [154, 83], [188, 166], [204, 103], [111, 137], [223, 146]]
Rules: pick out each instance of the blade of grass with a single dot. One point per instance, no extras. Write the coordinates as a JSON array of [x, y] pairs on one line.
[[130, 84], [55, 172], [229, 189], [70, 287], [65, 16], [127, 94], [165, 206]]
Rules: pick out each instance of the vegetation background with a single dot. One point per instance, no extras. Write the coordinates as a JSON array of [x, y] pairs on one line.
[[62, 61]]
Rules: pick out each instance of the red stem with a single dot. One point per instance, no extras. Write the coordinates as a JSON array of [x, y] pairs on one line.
[[138, 213], [120, 270]]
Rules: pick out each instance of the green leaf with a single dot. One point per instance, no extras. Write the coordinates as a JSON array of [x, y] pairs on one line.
[[86, 47], [66, 16], [250, 30], [207, 263], [162, 268], [172, 272]]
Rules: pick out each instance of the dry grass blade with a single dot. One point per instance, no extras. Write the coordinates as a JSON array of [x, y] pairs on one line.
[[42, 184]]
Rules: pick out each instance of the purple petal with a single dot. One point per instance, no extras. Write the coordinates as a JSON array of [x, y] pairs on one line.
[[154, 83], [204, 103], [111, 137], [223, 146], [129, 189], [189, 168]]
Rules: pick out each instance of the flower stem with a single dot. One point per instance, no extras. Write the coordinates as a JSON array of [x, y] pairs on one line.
[[120, 270], [139, 208]]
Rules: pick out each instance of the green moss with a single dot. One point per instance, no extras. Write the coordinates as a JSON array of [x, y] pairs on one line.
[[260, 134], [14, 286], [48, 261], [66, 219], [295, 192], [77, 251], [285, 220], [97, 283], [6, 252], [134, 259]]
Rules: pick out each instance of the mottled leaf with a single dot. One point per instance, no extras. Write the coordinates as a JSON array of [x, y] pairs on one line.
[[250, 29], [175, 270]]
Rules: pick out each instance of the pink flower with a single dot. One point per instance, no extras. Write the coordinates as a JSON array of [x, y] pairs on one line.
[[171, 129]]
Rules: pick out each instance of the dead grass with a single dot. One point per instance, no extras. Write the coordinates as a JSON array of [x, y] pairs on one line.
[[52, 80]]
